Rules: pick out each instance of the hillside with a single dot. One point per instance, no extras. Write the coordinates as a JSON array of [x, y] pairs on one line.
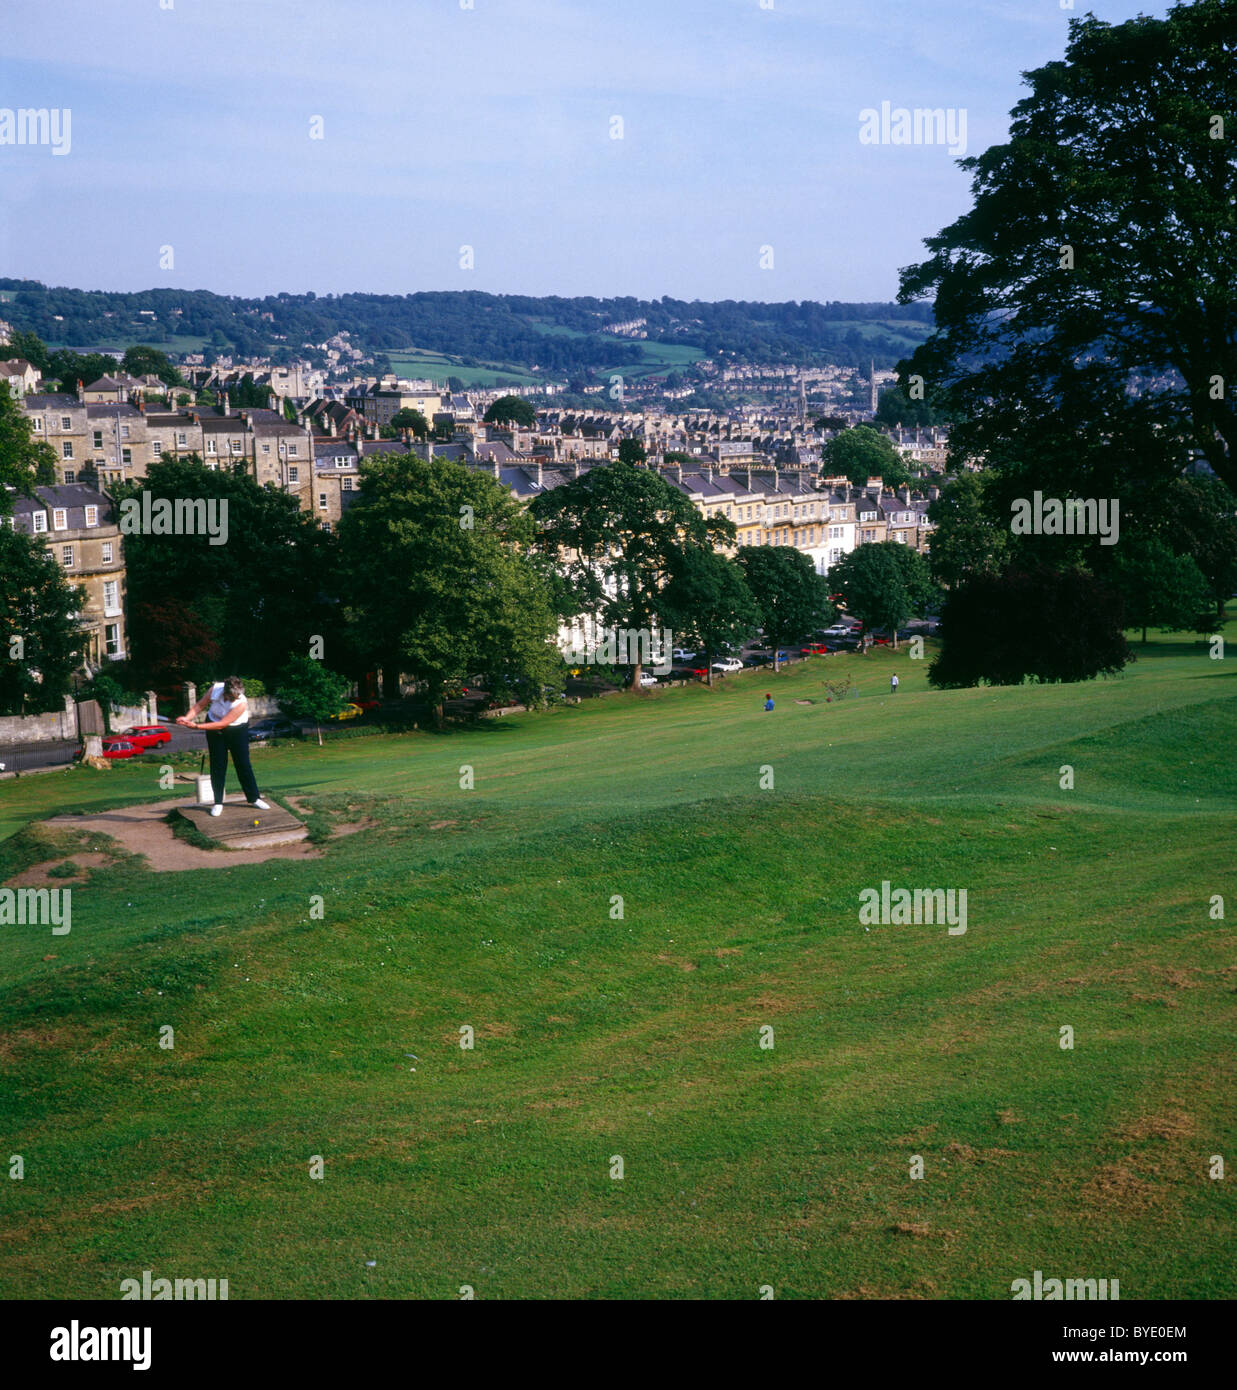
[[639, 1036], [558, 336]]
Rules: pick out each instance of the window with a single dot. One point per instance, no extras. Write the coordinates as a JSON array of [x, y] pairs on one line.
[[111, 639], [66, 556], [40, 521], [66, 449], [156, 447], [124, 431], [98, 439], [181, 439], [66, 422], [126, 455], [347, 484], [210, 446], [326, 525], [60, 519], [235, 445], [111, 596], [294, 473], [292, 450], [70, 475], [322, 501], [107, 552], [266, 448], [36, 424], [92, 516]]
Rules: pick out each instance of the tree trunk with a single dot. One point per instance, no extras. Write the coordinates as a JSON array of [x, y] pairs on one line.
[[1144, 637]]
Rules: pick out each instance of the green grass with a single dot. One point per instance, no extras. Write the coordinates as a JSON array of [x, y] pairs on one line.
[[599, 1036], [423, 363]]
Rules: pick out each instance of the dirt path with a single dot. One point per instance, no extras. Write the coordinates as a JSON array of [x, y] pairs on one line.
[[143, 830]]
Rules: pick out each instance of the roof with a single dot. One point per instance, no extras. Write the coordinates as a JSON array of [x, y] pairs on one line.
[[73, 497]]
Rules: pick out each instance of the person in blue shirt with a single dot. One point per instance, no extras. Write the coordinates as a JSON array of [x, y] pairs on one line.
[[768, 702]]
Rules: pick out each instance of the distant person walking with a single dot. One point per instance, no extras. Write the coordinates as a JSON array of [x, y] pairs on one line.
[[893, 684], [768, 702], [226, 732]]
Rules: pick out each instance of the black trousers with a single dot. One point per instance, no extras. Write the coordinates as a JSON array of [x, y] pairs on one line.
[[235, 740]]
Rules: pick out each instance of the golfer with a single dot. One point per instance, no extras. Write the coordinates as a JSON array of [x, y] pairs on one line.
[[893, 684], [768, 702], [227, 732]]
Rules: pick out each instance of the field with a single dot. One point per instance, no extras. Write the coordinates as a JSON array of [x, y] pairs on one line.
[[601, 1036], [415, 362]]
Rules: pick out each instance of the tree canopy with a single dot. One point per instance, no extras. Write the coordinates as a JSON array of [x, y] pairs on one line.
[[791, 598], [1086, 304], [862, 453], [616, 535]]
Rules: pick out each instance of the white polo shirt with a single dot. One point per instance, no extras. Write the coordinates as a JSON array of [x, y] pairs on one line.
[[221, 708]]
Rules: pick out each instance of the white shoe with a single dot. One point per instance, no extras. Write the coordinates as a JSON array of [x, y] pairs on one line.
[[216, 810], [260, 805]]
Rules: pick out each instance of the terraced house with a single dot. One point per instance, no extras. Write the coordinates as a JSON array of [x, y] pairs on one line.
[[78, 525]]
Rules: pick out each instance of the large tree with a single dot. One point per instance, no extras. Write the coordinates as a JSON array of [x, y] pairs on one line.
[[617, 535], [872, 585], [967, 538], [41, 642], [24, 464], [439, 581], [708, 603], [1086, 305], [864, 453], [260, 594], [508, 409], [1029, 624], [792, 599], [1160, 589], [28, 346], [142, 360]]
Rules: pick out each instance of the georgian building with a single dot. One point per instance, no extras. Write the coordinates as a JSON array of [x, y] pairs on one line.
[[78, 525]]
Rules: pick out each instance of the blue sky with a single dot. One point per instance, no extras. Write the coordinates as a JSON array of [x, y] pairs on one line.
[[491, 127]]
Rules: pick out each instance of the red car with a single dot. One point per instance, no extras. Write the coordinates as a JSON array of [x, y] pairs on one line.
[[147, 735], [368, 705], [816, 649], [700, 672], [114, 748]]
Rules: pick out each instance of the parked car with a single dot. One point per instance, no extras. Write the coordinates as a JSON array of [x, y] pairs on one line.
[[647, 679], [146, 735], [680, 655], [700, 672], [816, 649], [838, 630], [274, 727], [728, 665], [114, 748], [369, 705], [349, 711]]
